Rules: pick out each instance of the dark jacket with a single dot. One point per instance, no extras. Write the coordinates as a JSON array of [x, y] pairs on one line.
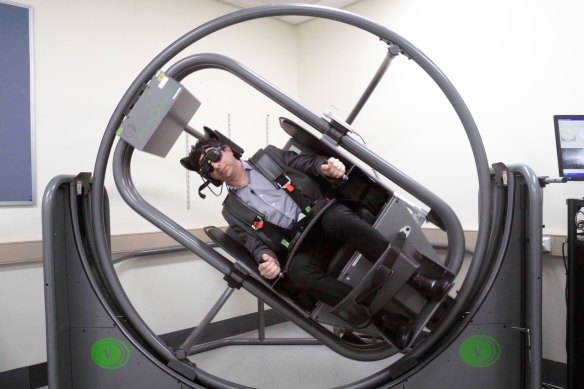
[[305, 172]]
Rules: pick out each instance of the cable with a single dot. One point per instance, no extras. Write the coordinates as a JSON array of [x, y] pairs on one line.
[[566, 292], [565, 267], [564, 254], [356, 133], [216, 194], [363, 141]]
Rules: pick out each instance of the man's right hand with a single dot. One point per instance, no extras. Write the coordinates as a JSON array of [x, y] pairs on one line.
[[333, 168], [269, 268]]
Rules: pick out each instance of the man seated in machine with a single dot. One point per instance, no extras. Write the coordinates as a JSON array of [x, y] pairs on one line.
[[271, 198]]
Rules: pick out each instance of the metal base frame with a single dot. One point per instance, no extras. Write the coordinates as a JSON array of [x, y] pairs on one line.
[[82, 322]]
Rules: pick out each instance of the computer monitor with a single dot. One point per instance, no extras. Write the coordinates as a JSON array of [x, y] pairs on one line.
[[570, 146]]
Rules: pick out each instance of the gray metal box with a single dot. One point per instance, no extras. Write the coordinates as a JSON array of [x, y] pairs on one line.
[[159, 116]]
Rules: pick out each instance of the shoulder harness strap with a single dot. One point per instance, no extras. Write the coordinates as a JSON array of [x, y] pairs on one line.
[[254, 222], [276, 173]]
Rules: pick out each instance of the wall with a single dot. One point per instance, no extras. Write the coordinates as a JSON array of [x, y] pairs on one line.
[[515, 64], [86, 54]]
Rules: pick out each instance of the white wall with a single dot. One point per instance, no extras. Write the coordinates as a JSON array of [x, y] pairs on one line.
[[86, 54], [22, 307], [515, 64]]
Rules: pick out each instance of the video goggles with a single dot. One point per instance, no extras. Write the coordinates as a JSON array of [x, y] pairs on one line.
[[211, 156], [204, 165]]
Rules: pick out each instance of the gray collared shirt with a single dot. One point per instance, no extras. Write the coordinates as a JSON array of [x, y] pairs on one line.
[[261, 194]]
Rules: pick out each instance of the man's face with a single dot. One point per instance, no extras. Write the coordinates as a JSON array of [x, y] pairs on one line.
[[224, 168]]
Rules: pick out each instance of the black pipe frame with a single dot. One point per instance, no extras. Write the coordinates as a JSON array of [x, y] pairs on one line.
[[358, 150]]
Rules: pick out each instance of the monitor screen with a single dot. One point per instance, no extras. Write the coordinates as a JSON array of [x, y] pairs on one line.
[[570, 145]]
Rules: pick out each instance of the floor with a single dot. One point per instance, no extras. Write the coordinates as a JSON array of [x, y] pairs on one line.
[[285, 367]]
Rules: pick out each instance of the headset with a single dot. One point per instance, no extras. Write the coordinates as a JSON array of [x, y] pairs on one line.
[[216, 141]]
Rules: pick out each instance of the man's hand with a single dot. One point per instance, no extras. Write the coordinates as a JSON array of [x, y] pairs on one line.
[[333, 168], [269, 268]]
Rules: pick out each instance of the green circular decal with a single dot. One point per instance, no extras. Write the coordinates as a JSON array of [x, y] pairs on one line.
[[110, 353], [480, 351]]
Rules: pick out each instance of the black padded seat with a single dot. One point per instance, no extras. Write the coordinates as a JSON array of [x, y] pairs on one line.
[[232, 247]]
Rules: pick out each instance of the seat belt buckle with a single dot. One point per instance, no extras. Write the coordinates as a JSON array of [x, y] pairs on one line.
[[258, 223], [285, 182]]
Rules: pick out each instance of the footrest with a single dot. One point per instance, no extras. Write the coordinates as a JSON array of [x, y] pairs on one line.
[[379, 284]]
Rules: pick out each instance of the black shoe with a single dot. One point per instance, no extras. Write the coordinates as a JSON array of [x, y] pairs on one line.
[[396, 328], [433, 289]]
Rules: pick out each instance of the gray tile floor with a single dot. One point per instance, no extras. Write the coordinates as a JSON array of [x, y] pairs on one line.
[[285, 367]]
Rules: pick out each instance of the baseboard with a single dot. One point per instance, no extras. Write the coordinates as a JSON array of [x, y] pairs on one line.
[[33, 377], [25, 377], [554, 373]]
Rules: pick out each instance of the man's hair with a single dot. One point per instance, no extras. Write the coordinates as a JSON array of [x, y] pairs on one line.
[[193, 160]]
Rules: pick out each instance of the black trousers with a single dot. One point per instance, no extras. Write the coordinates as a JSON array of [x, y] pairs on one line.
[[338, 226]]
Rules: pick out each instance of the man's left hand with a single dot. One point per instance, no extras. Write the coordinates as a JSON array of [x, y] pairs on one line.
[[269, 268], [333, 168]]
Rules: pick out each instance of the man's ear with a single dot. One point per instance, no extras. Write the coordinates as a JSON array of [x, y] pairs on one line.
[[228, 149]]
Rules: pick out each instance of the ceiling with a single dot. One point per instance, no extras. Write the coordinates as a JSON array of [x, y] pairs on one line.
[[289, 19]]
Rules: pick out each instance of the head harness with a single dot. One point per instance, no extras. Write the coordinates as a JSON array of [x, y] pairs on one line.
[[207, 150]]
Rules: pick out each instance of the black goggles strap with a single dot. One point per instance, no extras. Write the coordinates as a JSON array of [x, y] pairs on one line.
[[202, 187]]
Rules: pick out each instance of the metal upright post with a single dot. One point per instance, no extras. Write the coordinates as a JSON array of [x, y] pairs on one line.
[[184, 348], [261, 321], [392, 52]]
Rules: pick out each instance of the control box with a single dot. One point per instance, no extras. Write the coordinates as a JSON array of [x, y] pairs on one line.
[[159, 116]]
